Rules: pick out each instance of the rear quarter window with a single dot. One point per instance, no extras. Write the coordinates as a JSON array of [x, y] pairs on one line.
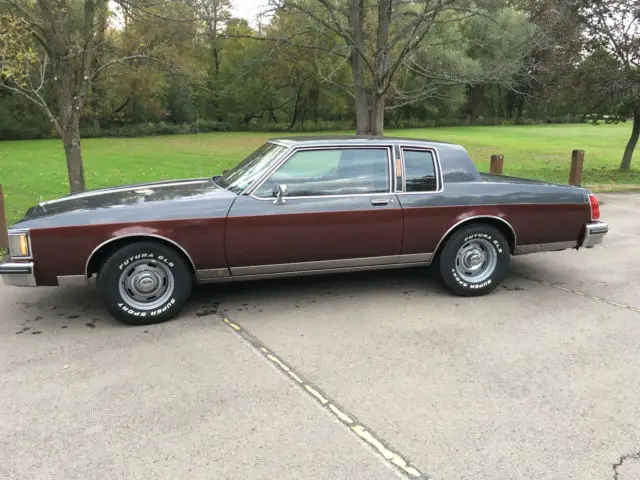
[[420, 171]]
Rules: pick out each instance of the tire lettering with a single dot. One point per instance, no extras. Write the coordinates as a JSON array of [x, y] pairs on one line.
[[166, 260], [138, 256], [153, 313], [495, 242]]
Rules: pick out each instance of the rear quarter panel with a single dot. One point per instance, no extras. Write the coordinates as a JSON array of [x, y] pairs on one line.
[[539, 213]]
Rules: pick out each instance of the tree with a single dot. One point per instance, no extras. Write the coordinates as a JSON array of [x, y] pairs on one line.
[[545, 84], [214, 14], [53, 48], [613, 38], [49, 57], [401, 52]]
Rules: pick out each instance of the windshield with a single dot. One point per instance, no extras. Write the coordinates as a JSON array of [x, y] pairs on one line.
[[247, 171]]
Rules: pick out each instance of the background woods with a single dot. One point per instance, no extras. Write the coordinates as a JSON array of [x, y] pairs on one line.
[[85, 68]]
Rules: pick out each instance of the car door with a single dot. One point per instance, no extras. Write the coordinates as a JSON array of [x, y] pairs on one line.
[[339, 212], [426, 216]]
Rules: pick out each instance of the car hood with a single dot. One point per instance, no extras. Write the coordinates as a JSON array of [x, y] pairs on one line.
[[141, 194]]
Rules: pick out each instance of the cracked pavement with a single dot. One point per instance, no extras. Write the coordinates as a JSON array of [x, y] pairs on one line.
[[627, 467], [537, 380]]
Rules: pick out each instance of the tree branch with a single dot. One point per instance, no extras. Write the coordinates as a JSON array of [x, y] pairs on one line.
[[124, 59], [37, 100]]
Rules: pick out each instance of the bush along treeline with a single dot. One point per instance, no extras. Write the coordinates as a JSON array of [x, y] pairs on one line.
[[206, 126], [38, 130]]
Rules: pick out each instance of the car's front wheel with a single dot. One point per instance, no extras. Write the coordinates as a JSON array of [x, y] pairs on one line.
[[144, 283], [474, 260]]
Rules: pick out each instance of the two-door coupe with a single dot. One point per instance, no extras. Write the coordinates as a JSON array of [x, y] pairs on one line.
[[298, 206]]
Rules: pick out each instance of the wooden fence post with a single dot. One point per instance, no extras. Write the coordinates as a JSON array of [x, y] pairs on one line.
[[497, 162], [577, 161], [4, 237]]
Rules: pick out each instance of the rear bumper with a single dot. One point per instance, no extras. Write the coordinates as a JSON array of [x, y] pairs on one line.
[[594, 234], [18, 274]]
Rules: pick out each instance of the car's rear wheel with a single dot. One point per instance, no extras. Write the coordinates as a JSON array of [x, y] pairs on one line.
[[474, 260], [144, 283]]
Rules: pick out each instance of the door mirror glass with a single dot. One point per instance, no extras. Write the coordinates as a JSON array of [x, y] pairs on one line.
[[279, 191]]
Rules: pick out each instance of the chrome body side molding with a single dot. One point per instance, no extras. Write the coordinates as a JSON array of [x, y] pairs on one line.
[[212, 275], [314, 268], [544, 247], [72, 280], [367, 262]]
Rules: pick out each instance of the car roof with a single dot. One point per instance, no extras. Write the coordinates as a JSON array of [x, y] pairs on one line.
[[331, 140]]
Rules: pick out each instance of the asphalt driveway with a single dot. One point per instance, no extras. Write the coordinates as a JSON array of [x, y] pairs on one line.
[[366, 376]]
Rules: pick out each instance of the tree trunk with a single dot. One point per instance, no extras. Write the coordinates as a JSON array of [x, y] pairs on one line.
[[625, 166], [356, 21], [73, 152], [377, 116], [363, 118], [380, 80]]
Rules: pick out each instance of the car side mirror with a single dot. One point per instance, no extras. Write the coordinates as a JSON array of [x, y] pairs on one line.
[[279, 191]]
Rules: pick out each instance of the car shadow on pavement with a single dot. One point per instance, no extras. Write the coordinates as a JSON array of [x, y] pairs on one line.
[[355, 282], [80, 307]]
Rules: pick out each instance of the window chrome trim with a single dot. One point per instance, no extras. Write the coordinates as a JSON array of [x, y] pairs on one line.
[[21, 231], [286, 153], [294, 150], [130, 235], [397, 175], [276, 161], [280, 143], [436, 165], [479, 217]]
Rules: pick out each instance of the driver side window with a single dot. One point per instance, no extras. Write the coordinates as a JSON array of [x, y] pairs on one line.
[[340, 171]]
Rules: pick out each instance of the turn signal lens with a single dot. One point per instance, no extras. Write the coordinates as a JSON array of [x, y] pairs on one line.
[[595, 208], [19, 245], [24, 245]]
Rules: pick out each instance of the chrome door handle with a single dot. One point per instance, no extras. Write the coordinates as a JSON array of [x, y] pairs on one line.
[[379, 201]]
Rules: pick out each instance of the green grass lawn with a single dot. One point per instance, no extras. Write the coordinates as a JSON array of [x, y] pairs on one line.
[[30, 169]]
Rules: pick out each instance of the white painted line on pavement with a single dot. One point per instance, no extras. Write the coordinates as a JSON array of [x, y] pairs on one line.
[[582, 294], [399, 465]]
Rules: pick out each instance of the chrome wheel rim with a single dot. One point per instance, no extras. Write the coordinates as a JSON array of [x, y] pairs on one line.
[[146, 284], [476, 260]]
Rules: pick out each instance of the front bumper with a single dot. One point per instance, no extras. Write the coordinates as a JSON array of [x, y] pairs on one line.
[[594, 234], [18, 274]]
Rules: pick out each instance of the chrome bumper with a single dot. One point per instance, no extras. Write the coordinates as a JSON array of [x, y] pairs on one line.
[[594, 234], [18, 274]]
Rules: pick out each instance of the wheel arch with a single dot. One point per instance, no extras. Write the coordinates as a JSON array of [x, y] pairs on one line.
[[106, 248], [498, 222]]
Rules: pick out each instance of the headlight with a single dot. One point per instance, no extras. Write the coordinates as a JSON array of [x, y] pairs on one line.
[[19, 244]]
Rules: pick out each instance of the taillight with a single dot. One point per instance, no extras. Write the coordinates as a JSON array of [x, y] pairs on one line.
[[595, 208]]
